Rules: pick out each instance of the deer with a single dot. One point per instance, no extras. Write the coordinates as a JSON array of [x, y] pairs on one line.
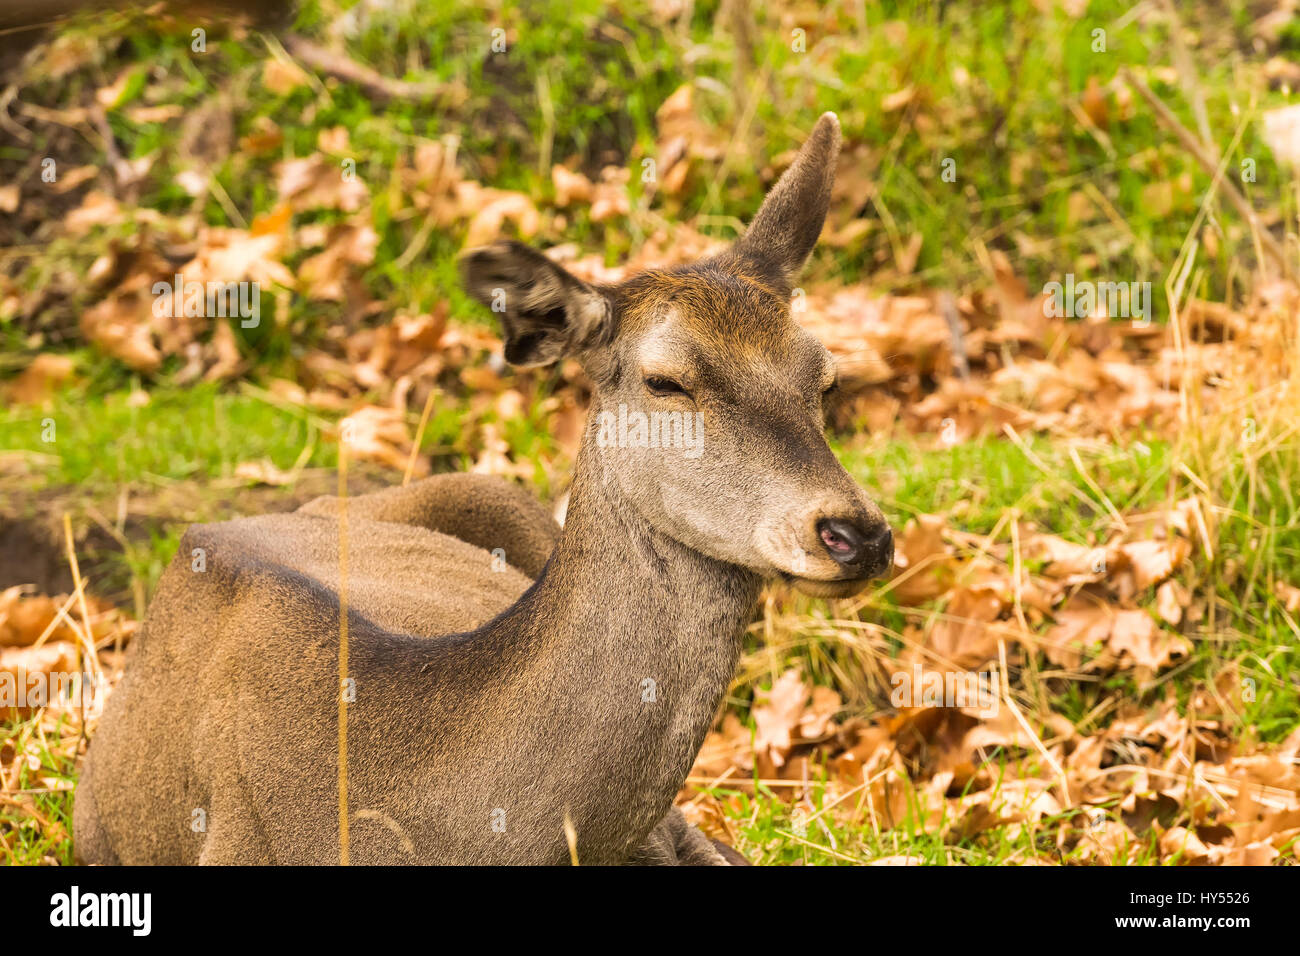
[[515, 693]]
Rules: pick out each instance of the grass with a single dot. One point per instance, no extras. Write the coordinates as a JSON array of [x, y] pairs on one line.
[[105, 440], [773, 833], [102, 439], [41, 831]]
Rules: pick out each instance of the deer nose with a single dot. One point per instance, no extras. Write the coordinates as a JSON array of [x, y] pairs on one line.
[[865, 551]]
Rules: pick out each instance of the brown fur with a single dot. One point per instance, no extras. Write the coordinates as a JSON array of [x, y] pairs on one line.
[[490, 706]]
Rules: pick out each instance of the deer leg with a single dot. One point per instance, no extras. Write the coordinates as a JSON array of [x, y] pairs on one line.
[[674, 842], [233, 840], [91, 843], [483, 510]]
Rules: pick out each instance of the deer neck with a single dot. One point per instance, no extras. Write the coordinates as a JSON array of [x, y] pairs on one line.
[[621, 590], [608, 550], [637, 635]]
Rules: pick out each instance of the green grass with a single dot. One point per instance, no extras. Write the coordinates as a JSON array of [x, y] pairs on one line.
[[102, 440], [771, 832], [32, 841], [977, 482]]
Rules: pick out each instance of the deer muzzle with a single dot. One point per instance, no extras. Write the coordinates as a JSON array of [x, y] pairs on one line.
[[862, 550]]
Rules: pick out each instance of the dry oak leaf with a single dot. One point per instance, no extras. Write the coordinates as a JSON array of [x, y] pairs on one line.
[[1080, 626], [1065, 559], [1131, 637], [1281, 131], [73, 178], [897, 860], [818, 719], [1261, 853], [96, 209], [1185, 844], [264, 471], [569, 186], [39, 380], [962, 636], [235, 255], [391, 355], [490, 209], [609, 197], [347, 245], [282, 76], [726, 750], [229, 362], [1153, 561], [908, 329], [265, 137], [1171, 598], [375, 433], [409, 345], [495, 457], [333, 140], [922, 561], [1109, 844], [1289, 595], [432, 179], [18, 665], [121, 327], [682, 136], [23, 619], [1000, 730], [1135, 637], [1094, 104], [777, 713], [315, 182]]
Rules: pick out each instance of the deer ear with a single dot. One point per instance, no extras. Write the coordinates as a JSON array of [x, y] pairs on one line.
[[788, 223], [546, 313]]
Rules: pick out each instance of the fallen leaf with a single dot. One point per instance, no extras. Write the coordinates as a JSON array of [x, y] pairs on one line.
[[569, 186], [315, 182], [1281, 132], [282, 77], [379, 434], [1153, 561], [39, 380], [1135, 636], [264, 471], [1171, 598], [777, 713]]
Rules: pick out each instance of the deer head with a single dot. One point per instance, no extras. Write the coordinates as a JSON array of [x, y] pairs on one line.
[[707, 418]]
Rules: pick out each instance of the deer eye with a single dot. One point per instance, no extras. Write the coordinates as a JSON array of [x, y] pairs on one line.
[[661, 386]]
